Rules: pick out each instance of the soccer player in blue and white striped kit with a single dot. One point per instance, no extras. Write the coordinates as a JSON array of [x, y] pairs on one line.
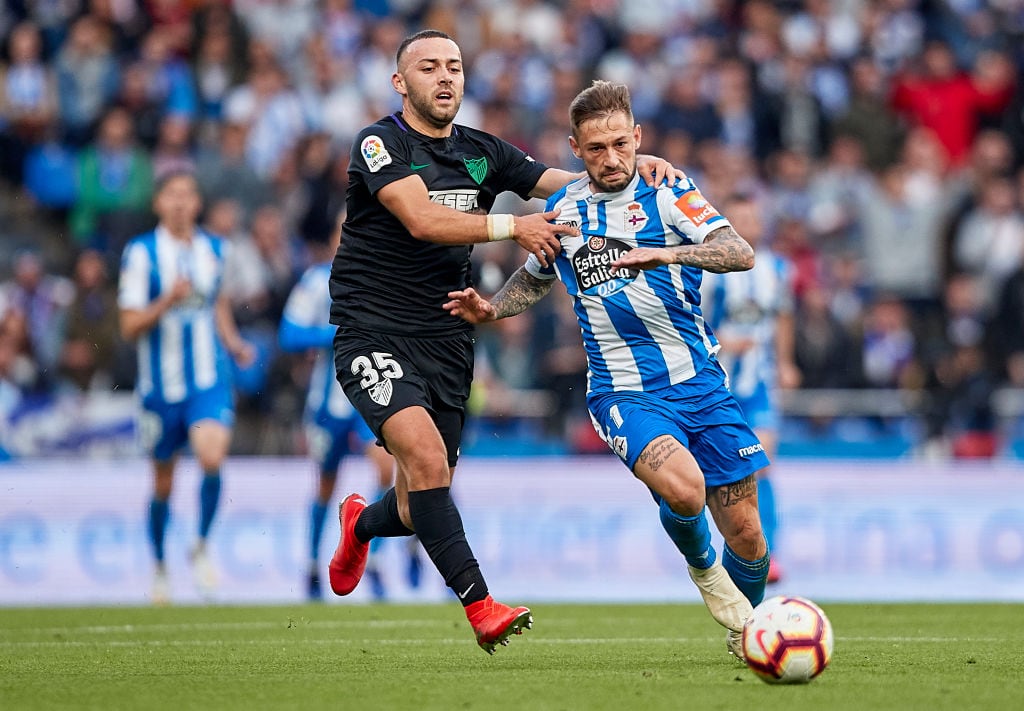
[[656, 392], [334, 429], [171, 304]]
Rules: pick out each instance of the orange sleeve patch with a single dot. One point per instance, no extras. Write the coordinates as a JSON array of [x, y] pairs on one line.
[[694, 206]]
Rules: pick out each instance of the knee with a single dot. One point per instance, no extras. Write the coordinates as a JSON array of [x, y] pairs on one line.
[[426, 468], [748, 541], [684, 497]]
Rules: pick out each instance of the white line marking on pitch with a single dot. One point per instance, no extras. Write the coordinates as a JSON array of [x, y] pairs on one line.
[[533, 639]]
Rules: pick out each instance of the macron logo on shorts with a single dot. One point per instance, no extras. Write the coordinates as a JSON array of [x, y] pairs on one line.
[[752, 449]]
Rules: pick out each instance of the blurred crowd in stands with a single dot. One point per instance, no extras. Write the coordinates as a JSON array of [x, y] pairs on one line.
[[884, 140]]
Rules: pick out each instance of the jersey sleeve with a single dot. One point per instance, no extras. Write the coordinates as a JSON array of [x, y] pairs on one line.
[[302, 325], [133, 286], [534, 268], [380, 155], [303, 305], [787, 299], [688, 211], [519, 172]]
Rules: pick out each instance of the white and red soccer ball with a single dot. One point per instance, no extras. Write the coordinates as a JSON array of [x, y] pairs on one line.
[[787, 640]]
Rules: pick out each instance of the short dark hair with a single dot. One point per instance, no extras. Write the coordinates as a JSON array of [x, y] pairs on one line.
[[600, 99], [166, 177], [422, 34]]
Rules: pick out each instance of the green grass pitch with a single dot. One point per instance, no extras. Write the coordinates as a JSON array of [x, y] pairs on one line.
[[377, 658]]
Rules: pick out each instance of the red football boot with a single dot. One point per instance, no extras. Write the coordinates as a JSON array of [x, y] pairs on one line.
[[349, 559], [494, 623]]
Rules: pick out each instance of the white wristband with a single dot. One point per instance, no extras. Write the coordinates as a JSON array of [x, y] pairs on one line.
[[500, 226]]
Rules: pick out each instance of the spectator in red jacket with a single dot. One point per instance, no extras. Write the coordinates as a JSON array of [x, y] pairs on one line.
[[950, 101]]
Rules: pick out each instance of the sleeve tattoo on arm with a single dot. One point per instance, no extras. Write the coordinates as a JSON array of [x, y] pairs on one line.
[[722, 251], [521, 291]]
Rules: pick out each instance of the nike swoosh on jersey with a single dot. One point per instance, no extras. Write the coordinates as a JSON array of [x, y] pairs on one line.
[[416, 166]]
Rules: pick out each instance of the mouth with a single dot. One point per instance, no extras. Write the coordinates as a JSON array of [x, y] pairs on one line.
[[444, 96]]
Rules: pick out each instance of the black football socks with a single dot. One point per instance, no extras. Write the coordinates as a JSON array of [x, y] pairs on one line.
[[439, 527], [381, 520]]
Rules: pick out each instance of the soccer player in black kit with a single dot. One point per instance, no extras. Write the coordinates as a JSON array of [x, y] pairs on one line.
[[419, 191]]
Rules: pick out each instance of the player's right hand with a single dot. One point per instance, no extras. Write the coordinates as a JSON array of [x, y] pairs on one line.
[[470, 306], [539, 235], [180, 291]]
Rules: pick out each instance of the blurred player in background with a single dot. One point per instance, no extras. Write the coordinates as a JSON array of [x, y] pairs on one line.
[[656, 393], [752, 315], [171, 304], [334, 429], [420, 187]]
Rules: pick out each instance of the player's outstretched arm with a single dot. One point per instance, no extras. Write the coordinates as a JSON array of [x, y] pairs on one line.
[[520, 292], [723, 250], [408, 200]]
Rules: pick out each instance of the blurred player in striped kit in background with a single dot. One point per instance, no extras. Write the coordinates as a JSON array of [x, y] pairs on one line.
[[334, 430], [171, 304], [751, 312]]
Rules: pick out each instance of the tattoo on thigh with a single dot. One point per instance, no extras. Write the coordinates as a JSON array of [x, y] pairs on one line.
[[658, 451], [732, 494]]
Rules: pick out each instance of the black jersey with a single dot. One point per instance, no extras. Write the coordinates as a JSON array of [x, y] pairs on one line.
[[384, 279]]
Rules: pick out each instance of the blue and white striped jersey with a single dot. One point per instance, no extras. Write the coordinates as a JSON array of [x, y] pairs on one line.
[[642, 330], [183, 353], [306, 325], [745, 305]]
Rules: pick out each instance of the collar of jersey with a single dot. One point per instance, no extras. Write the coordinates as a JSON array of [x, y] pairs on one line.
[[583, 188], [164, 234]]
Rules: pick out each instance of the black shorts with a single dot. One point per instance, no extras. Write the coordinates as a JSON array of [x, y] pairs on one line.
[[383, 373]]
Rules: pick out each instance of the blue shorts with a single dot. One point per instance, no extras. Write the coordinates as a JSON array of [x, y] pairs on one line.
[[330, 439], [163, 426], [758, 409], [701, 413]]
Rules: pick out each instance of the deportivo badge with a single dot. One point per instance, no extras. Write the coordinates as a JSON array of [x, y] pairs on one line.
[[374, 153], [634, 218]]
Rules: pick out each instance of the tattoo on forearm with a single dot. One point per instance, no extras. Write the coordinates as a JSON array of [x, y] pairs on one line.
[[521, 291], [658, 452], [722, 251], [732, 494]]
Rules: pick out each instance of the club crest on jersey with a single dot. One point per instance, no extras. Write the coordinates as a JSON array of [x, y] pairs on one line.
[[592, 265], [634, 218], [374, 153], [477, 168]]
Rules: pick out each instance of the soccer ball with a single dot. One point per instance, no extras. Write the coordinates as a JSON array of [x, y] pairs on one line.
[[787, 640]]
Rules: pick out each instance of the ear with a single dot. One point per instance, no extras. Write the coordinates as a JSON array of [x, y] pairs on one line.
[[398, 83], [637, 135], [575, 147]]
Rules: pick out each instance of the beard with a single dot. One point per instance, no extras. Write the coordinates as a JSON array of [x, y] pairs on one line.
[[616, 184], [437, 116]]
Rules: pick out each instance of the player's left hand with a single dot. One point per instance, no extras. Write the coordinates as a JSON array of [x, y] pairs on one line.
[[655, 170], [642, 258], [468, 305]]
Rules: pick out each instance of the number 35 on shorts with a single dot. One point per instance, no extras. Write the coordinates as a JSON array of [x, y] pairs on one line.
[[376, 372]]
